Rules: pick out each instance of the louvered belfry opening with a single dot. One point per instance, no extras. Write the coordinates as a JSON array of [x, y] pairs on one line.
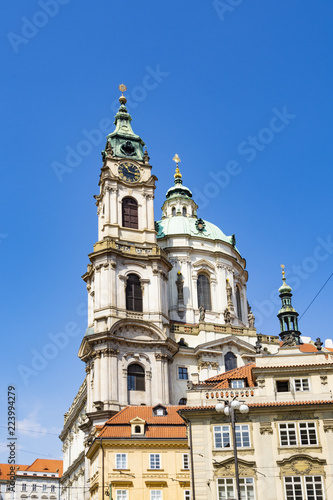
[[130, 213], [204, 292], [133, 293], [135, 378]]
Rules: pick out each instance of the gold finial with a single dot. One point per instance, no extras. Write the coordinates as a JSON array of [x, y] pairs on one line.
[[283, 272], [177, 175], [122, 98]]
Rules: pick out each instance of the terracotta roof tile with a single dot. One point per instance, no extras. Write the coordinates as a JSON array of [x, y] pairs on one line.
[[39, 465], [222, 380], [263, 405], [170, 426], [305, 365]]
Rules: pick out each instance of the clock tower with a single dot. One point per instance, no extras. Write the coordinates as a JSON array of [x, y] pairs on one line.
[[127, 346]]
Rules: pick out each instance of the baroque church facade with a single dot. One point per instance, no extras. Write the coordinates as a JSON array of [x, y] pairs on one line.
[[167, 301]]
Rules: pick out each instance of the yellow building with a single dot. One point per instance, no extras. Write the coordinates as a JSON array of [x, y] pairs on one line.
[[141, 453], [285, 441]]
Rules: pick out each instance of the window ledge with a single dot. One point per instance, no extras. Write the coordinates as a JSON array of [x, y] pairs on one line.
[[249, 450], [155, 470], [121, 470], [300, 449]]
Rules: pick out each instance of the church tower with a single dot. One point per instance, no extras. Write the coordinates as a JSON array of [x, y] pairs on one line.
[[127, 339]]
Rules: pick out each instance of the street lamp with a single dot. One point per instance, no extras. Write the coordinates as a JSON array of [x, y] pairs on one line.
[[229, 408]]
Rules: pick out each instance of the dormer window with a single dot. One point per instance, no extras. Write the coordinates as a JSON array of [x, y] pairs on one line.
[[159, 411], [237, 384], [137, 426]]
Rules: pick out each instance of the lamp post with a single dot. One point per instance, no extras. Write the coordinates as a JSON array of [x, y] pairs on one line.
[[229, 408]]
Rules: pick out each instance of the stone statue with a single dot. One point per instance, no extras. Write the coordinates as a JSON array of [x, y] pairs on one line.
[[289, 341], [202, 312], [318, 344], [251, 319], [229, 295], [180, 287], [258, 347], [227, 316]]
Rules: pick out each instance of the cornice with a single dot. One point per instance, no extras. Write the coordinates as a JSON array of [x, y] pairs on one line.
[[77, 462]]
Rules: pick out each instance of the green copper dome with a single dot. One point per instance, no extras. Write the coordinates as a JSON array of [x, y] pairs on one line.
[[188, 225]]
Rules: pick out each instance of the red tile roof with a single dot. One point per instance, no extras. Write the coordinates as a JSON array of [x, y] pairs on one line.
[[263, 405], [169, 426], [39, 465], [241, 373]]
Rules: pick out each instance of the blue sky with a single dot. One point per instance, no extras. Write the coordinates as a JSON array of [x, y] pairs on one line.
[[240, 92]]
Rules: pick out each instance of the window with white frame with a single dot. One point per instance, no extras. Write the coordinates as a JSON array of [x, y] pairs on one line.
[[242, 435], [237, 384], [227, 489], [44, 487], [34, 487], [300, 433], [156, 495], [186, 461], [305, 487], [301, 384], [121, 494], [222, 436], [187, 495], [121, 460], [53, 489], [154, 461], [24, 487]]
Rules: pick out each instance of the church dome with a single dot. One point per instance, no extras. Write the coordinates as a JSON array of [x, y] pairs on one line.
[[191, 226]]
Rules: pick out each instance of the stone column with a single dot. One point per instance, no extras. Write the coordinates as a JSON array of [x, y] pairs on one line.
[[166, 380], [105, 379], [114, 382], [114, 205], [150, 210], [107, 204], [148, 388], [88, 378], [97, 376]]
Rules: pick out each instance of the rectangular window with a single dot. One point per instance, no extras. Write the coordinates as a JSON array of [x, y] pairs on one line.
[[52, 489], [227, 488], [121, 494], [307, 431], [221, 436], [242, 436], [187, 495], [237, 384], [44, 487], [121, 460], [24, 487], [301, 384], [186, 462], [288, 435], [34, 487], [306, 487], [302, 433], [156, 495], [182, 373], [154, 461], [282, 386]]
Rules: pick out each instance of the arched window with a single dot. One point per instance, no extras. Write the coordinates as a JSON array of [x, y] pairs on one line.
[[182, 401], [184, 211], [238, 303], [230, 361], [130, 213], [135, 378], [137, 429], [203, 286], [133, 293], [173, 211]]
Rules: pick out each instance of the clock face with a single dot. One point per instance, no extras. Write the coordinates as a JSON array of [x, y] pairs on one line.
[[129, 172]]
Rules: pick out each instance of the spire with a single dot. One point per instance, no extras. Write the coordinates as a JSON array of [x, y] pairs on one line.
[[124, 142], [178, 190], [290, 335]]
